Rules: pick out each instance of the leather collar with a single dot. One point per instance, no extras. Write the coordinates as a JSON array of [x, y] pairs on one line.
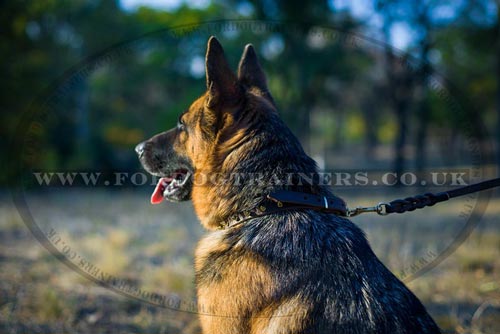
[[284, 200]]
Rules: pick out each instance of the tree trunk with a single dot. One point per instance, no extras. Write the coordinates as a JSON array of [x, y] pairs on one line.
[[400, 143], [369, 115], [498, 84], [423, 111], [399, 88]]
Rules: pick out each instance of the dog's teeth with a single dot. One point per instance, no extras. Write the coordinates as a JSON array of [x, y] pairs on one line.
[[184, 180]]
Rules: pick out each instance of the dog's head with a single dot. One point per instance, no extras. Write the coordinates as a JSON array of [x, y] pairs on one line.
[[208, 129]]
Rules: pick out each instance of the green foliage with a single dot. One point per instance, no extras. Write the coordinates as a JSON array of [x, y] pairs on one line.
[[330, 93]]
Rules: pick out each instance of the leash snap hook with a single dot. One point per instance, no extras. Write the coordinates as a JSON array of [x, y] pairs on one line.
[[380, 208]]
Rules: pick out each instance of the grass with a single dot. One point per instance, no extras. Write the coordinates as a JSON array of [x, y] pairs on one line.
[[468, 283], [152, 247]]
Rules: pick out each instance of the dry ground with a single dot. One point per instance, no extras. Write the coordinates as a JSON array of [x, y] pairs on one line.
[[152, 247]]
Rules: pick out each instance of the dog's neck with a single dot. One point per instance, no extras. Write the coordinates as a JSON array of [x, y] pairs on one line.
[[254, 166]]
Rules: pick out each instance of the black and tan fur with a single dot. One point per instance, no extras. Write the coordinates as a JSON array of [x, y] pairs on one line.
[[289, 272]]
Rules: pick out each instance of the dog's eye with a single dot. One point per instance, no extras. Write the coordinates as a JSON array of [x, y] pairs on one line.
[[180, 125]]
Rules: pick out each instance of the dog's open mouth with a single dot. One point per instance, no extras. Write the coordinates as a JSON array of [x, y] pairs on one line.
[[168, 187]]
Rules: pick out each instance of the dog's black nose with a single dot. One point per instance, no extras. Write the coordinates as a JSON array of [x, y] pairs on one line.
[[139, 149]]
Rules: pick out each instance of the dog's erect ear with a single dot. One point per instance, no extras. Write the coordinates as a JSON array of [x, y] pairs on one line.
[[222, 84], [250, 72]]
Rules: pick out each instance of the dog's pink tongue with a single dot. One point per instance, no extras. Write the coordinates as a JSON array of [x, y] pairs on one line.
[[157, 195]]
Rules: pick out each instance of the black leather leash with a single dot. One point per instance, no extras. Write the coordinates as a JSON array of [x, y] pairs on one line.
[[337, 206], [282, 200], [429, 199]]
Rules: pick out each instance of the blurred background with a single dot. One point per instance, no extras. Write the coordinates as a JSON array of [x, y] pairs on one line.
[[367, 86]]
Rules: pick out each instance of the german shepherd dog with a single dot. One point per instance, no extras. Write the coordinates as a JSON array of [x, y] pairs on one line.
[[290, 271]]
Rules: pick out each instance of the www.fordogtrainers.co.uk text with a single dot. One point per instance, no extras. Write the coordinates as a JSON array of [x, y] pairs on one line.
[[334, 179]]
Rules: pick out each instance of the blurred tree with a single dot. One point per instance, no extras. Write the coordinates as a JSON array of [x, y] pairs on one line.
[[400, 82], [43, 40], [305, 67], [464, 45], [498, 83], [330, 93], [424, 25], [32, 53]]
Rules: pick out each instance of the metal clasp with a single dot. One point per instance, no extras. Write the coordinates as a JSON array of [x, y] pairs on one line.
[[380, 209]]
